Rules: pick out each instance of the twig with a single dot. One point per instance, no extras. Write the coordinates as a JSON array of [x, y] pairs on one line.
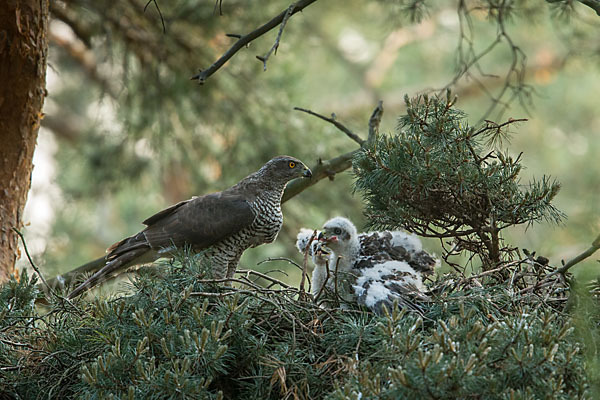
[[271, 259], [491, 125], [52, 292], [35, 268], [244, 40], [595, 246], [15, 344], [539, 285], [220, 4], [248, 272], [275, 46], [162, 20], [374, 122], [337, 124], [323, 169], [338, 164], [227, 280], [318, 296]]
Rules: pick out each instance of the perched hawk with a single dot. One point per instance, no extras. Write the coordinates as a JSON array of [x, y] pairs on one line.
[[374, 269], [246, 215]]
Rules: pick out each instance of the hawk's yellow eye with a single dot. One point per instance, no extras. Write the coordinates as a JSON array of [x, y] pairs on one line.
[[292, 164]]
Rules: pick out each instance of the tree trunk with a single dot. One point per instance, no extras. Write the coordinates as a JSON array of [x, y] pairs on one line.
[[23, 51]]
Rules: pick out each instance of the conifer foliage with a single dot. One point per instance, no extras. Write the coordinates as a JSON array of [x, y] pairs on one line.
[[180, 334], [440, 177]]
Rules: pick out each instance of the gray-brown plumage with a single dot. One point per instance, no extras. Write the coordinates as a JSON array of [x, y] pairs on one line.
[[246, 215]]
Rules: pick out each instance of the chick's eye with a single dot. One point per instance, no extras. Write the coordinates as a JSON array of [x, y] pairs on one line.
[[337, 231], [292, 164]]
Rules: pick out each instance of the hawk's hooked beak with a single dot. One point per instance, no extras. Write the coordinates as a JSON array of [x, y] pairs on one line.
[[328, 239], [307, 173]]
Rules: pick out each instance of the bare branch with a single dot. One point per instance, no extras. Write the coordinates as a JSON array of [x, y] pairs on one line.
[[337, 124], [220, 4], [248, 272], [35, 268], [374, 122], [244, 40], [323, 169], [37, 271], [595, 246], [275, 46], [162, 20], [491, 125]]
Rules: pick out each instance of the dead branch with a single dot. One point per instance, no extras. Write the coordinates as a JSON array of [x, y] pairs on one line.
[[323, 169], [162, 20], [244, 40], [374, 122], [35, 268], [335, 123], [595, 246], [275, 46], [248, 272]]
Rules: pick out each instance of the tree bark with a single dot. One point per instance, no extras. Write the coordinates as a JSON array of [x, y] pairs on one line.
[[23, 53]]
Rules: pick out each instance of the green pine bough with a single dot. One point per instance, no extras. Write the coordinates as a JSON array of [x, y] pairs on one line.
[[437, 176], [177, 334]]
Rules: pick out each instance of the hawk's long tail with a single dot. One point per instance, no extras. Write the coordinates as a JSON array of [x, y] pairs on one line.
[[111, 268]]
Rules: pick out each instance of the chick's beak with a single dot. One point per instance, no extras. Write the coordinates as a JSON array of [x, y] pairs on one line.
[[328, 239]]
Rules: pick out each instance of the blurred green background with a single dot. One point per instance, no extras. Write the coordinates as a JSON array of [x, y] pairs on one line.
[[127, 132]]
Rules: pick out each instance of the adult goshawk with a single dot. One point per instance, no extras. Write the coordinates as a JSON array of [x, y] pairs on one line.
[[246, 215]]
